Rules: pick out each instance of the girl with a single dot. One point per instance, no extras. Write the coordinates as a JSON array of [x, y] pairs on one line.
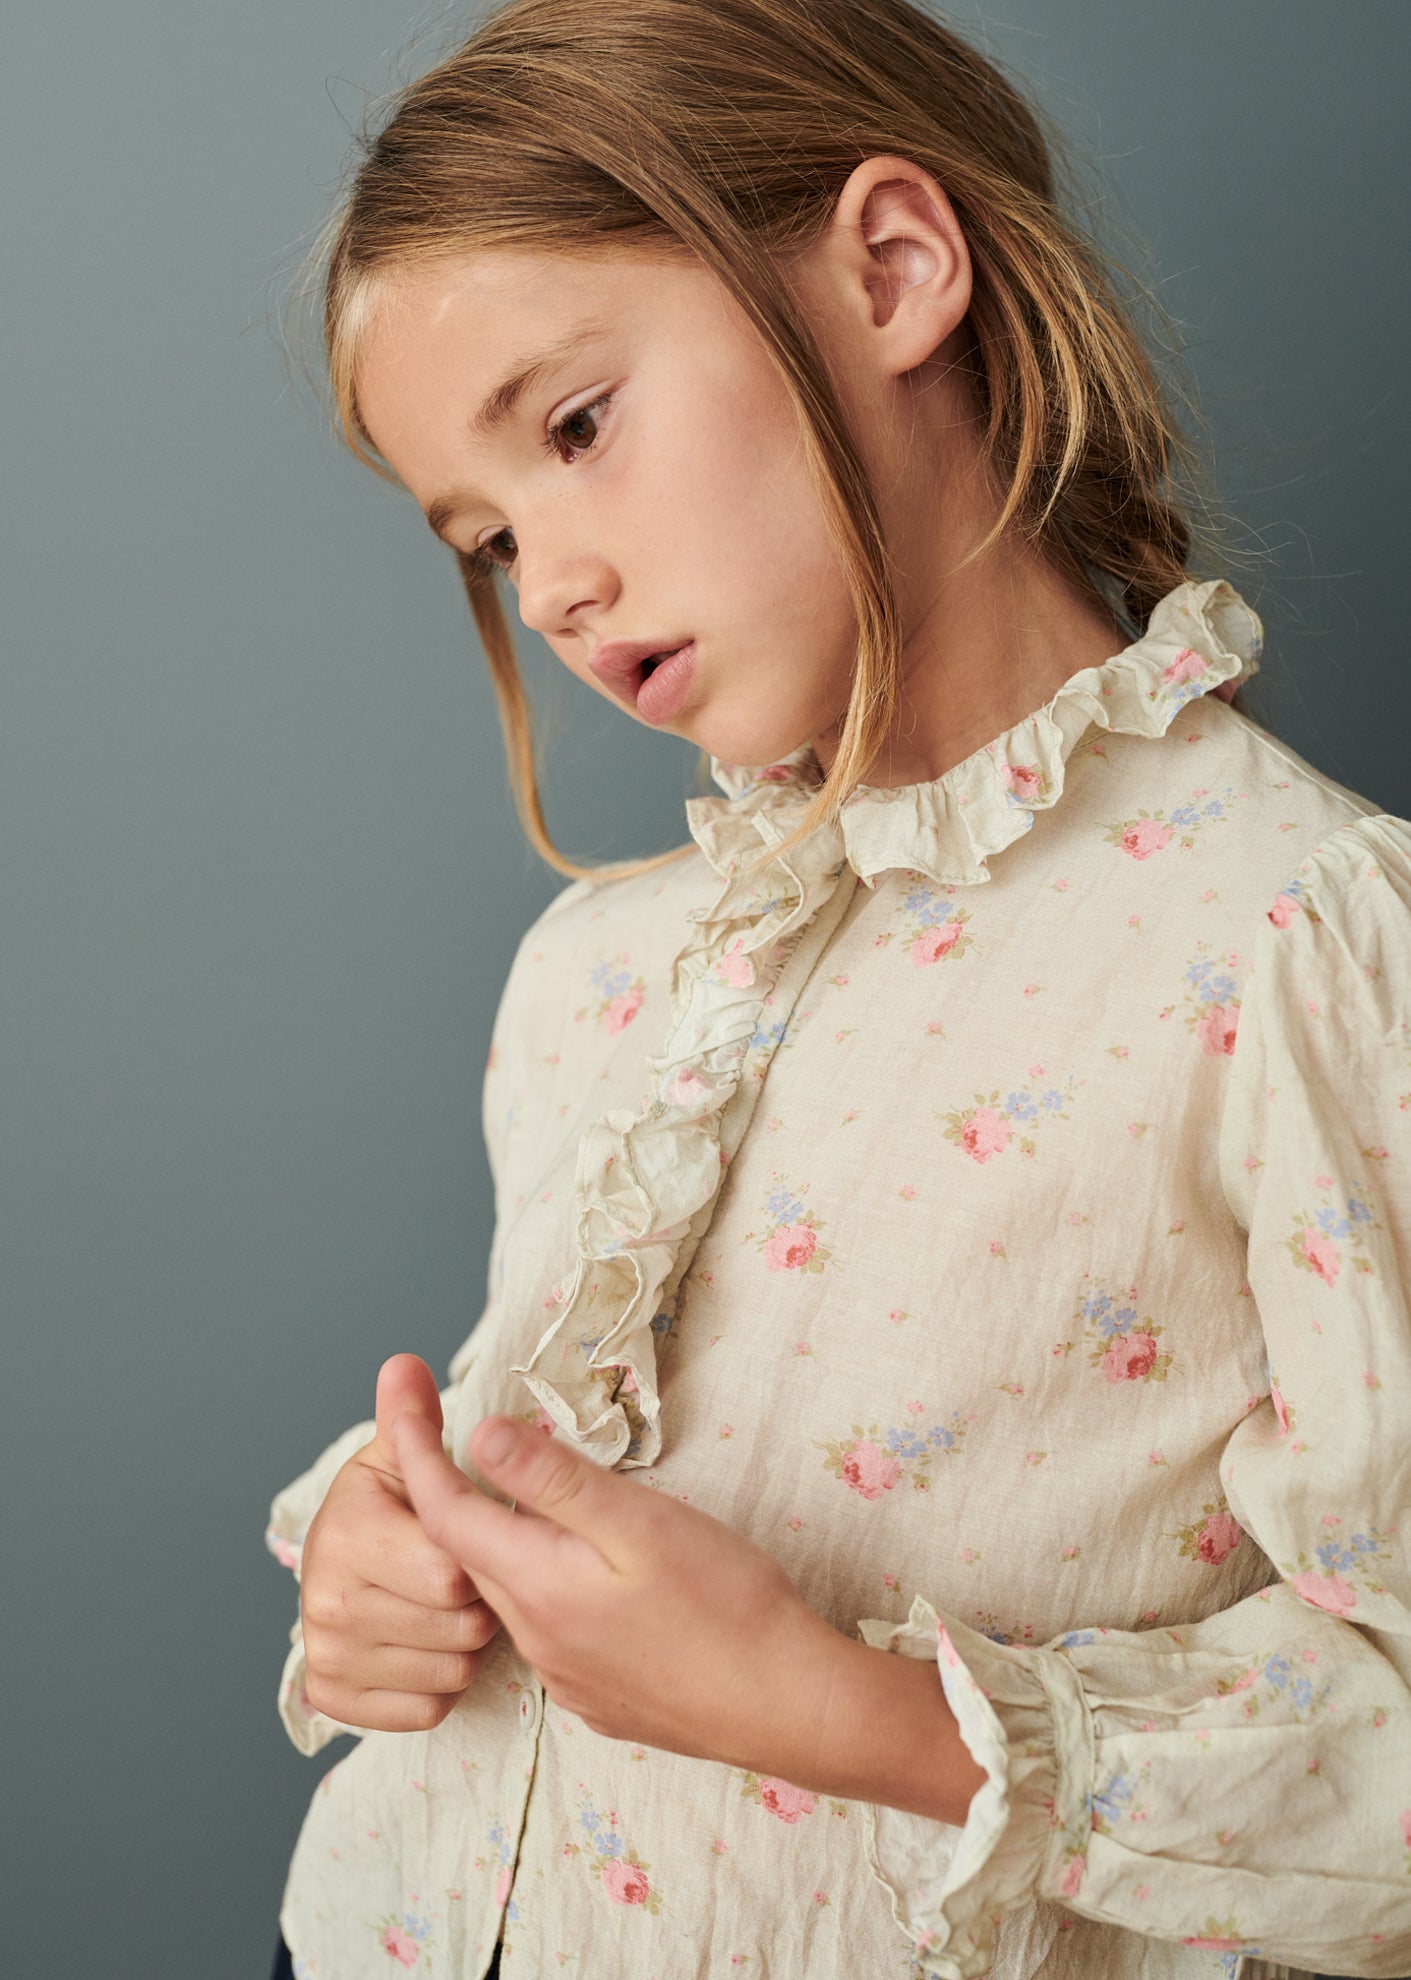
[[953, 1217]]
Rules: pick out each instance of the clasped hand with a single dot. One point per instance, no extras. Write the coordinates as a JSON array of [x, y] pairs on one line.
[[649, 1620]]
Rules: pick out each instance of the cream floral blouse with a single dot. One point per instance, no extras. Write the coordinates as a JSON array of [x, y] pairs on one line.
[[1000, 1210]]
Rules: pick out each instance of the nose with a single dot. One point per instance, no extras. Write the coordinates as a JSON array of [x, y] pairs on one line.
[[561, 588]]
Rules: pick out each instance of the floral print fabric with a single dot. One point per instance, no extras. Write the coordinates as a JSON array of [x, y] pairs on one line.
[[1000, 1210]]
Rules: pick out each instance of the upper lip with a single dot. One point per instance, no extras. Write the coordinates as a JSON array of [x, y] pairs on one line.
[[615, 662]]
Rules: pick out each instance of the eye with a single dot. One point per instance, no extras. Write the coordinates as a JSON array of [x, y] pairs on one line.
[[491, 555], [578, 430]]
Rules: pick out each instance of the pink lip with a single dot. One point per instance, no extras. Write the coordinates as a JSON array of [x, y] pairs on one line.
[[618, 664]]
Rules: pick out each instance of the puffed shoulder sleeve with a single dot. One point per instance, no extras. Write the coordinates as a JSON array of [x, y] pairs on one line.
[[1241, 1784], [293, 1509]]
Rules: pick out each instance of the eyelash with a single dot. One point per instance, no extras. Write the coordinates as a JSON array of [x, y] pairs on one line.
[[481, 561]]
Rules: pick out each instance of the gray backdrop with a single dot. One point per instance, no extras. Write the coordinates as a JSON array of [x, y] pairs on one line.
[[261, 878]]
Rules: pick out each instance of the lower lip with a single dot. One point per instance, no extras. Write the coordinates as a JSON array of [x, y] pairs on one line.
[[663, 691]]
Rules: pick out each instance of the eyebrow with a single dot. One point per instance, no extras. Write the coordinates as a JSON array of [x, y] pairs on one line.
[[500, 405]]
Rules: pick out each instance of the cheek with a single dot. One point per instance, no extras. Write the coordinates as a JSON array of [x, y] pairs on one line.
[[736, 509]]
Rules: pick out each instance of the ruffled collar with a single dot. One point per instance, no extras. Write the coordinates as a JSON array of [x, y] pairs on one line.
[[1201, 637], [646, 1181]]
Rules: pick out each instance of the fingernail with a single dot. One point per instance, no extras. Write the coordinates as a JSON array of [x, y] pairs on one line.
[[497, 1444]]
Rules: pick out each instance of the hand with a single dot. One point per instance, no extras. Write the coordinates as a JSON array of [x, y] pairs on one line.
[[393, 1626], [648, 1619]]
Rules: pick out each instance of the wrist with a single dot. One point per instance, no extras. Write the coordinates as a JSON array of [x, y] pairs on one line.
[[878, 1728]]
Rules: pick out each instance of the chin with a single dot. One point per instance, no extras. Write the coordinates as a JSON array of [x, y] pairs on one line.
[[748, 741]]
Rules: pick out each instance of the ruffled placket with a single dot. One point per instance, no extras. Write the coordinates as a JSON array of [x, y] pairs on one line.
[[646, 1183]]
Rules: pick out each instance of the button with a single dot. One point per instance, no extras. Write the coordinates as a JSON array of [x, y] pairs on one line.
[[526, 1708]]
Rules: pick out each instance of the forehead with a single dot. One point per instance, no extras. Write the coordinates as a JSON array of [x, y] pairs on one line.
[[464, 323]]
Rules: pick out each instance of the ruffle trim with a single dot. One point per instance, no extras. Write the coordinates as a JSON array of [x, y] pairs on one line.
[[969, 1899], [1201, 637], [645, 1182]]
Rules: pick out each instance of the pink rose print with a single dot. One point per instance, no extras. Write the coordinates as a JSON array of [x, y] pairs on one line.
[[683, 1089], [398, 1946], [1328, 1592], [502, 1888], [620, 1011], [987, 1129], [1146, 837], [1214, 1945], [937, 927], [1315, 1244], [1322, 1255], [1122, 1342], [1284, 909], [617, 994], [1130, 1357], [785, 1800], [1188, 665], [871, 1461], [1404, 1818], [790, 1247], [735, 966], [782, 1799], [1073, 1876], [619, 1871], [934, 943], [1213, 1537], [1216, 1027], [1281, 1409], [625, 1883], [1211, 999], [1151, 832], [1023, 780], [1219, 1538], [791, 1244], [985, 1134], [868, 1471]]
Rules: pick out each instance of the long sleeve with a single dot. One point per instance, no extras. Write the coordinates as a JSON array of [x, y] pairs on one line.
[[294, 1507], [1242, 1783]]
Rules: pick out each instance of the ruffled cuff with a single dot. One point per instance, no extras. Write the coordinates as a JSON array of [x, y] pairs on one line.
[[310, 1729], [1023, 1718]]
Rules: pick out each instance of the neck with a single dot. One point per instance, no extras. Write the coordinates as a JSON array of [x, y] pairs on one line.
[[987, 641]]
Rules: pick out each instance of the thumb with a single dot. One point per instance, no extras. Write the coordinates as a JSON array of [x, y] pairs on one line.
[[560, 1483], [405, 1385]]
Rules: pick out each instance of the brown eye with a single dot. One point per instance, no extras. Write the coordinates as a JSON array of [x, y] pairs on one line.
[[577, 433]]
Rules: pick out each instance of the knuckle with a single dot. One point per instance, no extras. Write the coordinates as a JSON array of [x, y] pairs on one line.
[[445, 1583], [426, 1713], [323, 1696], [481, 1625], [321, 1605], [453, 1672]]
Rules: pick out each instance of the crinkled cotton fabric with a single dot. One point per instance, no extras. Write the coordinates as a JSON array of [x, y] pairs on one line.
[[998, 1207]]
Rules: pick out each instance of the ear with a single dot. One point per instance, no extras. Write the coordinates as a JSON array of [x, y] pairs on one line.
[[896, 247]]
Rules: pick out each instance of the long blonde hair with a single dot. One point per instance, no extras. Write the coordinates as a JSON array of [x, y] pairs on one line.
[[725, 129]]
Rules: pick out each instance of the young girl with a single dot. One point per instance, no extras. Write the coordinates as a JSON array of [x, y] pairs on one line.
[[953, 1220]]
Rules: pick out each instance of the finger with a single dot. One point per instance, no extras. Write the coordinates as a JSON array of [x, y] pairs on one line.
[[389, 1620], [404, 1382], [392, 1551], [492, 1543], [385, 1711], [546, 1476], [427, 1672]]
